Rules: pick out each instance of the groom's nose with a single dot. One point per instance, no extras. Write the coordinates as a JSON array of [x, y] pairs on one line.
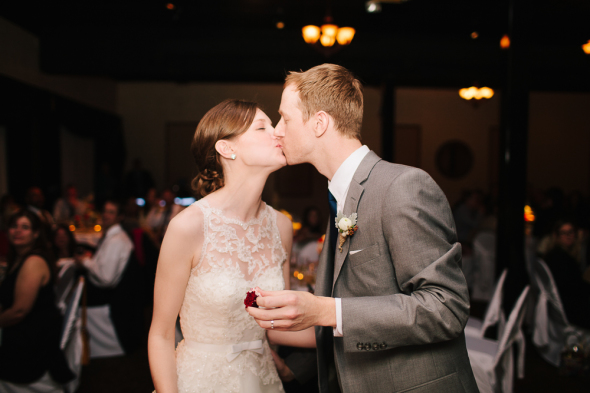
[[279, 131]]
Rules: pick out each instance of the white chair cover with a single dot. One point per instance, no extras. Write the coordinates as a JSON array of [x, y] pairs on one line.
[[483, 266], [494, 313], [45, 385], [101, 330], [64, 284], [551, 327], [492, 361], [71, 337]]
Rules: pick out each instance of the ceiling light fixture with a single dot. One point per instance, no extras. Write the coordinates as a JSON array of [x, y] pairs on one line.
[[328, 38], [477, 93]]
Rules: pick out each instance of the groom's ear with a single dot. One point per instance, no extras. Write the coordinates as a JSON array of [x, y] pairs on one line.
[[321, 121], [224, 148]]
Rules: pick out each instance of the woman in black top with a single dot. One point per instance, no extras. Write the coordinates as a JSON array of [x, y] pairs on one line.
[[30, 321]]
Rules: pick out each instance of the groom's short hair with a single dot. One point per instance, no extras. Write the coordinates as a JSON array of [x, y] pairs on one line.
[[333, 89]]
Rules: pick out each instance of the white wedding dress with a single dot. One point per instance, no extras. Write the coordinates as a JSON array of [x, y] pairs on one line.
[[224, 349]]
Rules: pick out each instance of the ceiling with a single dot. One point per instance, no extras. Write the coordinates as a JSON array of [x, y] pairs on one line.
[[414, 43]]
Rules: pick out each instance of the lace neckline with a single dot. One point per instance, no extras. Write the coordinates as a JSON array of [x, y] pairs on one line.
[[229, 220]]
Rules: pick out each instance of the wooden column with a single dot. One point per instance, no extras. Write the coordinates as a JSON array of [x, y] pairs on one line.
[[513, 154]]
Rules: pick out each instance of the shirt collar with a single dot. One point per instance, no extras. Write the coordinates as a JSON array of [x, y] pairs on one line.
[[113, 230], [343, 176]]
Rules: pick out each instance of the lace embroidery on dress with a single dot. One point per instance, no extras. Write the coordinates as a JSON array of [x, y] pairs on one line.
[[235, 257]]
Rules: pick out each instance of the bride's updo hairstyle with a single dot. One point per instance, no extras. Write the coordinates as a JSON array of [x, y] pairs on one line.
[[227, 120]]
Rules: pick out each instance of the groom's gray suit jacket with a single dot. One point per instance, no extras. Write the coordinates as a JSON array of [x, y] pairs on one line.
[[404, 297]]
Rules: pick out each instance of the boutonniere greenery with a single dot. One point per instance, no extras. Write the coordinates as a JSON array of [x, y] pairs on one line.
[[346, 227]]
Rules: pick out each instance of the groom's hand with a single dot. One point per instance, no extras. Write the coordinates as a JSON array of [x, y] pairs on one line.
[[293, 310]]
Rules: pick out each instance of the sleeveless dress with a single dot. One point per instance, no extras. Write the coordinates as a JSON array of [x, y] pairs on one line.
[[30, 348], [224, 349]]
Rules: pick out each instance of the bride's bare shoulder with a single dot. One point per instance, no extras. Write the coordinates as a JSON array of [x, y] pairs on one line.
[[188, 222]]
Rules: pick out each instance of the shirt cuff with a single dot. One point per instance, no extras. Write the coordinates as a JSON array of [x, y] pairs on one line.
[[338, 328]]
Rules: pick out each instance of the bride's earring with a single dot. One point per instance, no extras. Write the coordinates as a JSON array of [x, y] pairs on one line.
[[233, 156]]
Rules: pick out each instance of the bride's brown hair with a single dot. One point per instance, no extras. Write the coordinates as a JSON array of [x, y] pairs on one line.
[[227, 120]]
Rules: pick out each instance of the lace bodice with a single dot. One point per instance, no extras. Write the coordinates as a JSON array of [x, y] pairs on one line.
[[235, 257]]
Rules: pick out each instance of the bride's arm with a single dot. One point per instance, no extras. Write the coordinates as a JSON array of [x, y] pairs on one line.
[[303, 338], [179, 247]]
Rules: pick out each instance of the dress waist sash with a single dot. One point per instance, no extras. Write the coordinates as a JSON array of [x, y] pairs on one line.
[[232, 350]]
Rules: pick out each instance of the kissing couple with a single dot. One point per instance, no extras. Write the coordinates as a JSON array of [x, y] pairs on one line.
[[391, 300]]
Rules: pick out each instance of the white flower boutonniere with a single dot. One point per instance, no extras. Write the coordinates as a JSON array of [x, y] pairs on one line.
[[346, 227]]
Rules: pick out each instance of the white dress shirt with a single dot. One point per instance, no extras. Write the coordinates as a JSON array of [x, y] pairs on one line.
[[106, 266], [339, 188]]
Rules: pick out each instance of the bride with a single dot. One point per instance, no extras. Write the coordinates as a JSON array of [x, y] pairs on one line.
[[213, 253]]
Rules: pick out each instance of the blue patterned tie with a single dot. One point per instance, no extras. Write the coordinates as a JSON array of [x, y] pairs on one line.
[[332, 224]]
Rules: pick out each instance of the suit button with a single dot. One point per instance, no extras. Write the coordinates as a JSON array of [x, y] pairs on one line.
[[360, 346], [383, 346], [375, 346], [368, 346]]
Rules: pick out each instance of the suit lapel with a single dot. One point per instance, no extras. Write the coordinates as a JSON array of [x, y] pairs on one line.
[[325, 268], [353, 197]]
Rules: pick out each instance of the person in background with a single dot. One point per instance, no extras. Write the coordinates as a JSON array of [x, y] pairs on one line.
[[68, 206], [468, 216], [114, 281], [150, 217], [311, 225], [130, 219], [106, 266], [561, 259], [547, 211], [30, 356], [64, 243], [35, 200], [169, 210]]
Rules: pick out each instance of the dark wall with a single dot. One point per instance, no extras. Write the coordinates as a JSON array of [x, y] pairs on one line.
[[33, 118]]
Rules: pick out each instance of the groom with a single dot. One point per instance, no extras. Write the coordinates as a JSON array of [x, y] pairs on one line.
[[391, 301]]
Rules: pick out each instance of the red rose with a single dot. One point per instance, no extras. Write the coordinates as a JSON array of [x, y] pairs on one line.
[[250, 300]]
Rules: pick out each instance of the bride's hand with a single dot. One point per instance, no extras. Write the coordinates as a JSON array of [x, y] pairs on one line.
[[292, 310], [284, 371]]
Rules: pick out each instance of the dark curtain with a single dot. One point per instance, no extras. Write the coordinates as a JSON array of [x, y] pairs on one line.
[[33, 118]]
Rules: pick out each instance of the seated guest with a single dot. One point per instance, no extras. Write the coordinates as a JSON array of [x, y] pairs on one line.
[[30, 357], [113, 288], [64, 243], [105, 267], [573, 290], [35, 200], [67, 207]]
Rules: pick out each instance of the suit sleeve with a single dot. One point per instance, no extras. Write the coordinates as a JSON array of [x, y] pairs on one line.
[[433, 305]]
